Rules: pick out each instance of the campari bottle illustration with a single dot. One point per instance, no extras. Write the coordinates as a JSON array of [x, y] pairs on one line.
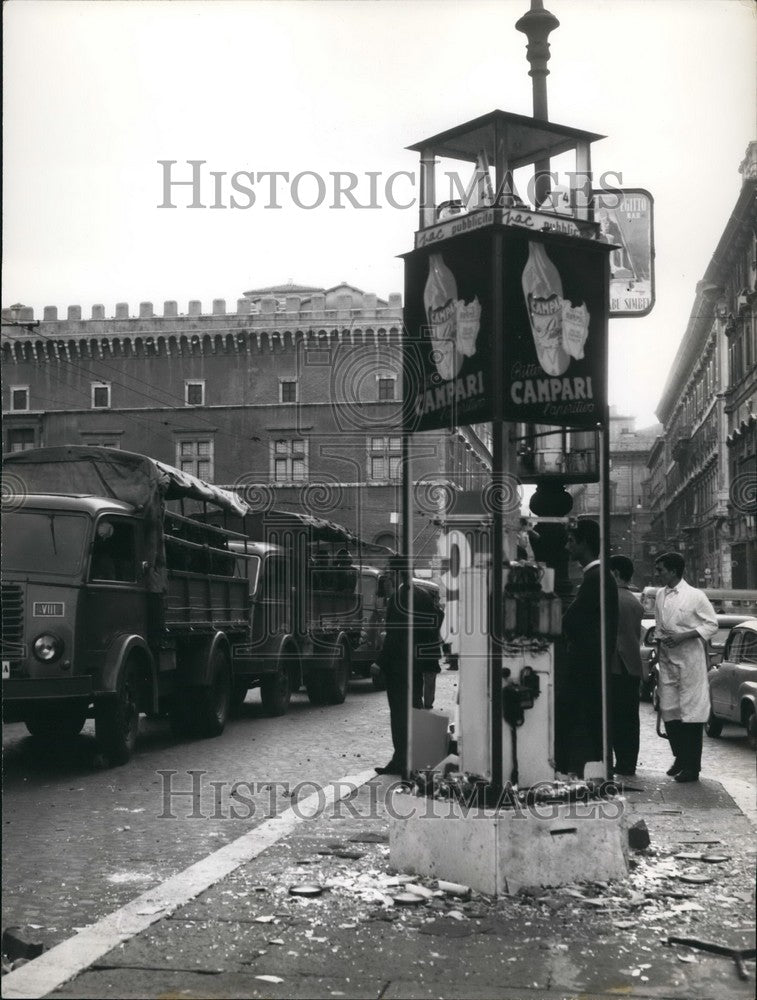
[[542, 288], [440, 301]]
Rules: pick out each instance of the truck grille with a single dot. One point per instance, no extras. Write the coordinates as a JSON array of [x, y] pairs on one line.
[[13, 620]]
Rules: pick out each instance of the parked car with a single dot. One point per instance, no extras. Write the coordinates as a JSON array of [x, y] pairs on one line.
[[733, 683], [648, 654], [715, 649]]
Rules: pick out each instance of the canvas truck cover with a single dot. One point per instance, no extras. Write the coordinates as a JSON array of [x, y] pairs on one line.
[[121, 475]]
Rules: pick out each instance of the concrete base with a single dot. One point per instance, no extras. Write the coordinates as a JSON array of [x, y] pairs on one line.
[[499, 852]]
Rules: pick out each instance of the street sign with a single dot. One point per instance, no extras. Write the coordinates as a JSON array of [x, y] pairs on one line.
[[626, 219]]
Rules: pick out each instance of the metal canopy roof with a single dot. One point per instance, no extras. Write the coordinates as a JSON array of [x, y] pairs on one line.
[[527, 139]]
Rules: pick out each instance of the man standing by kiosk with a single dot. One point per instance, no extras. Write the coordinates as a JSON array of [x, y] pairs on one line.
[[684, 621]]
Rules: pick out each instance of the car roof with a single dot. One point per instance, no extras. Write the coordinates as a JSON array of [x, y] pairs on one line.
[[748, 623], [731, 620]]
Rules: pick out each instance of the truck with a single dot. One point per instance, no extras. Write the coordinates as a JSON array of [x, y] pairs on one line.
[[317, 608], [118, 596], [132, 587]]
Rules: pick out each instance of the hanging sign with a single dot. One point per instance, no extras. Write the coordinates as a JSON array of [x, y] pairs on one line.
[[625, 218], [449, 321], [555, 331], [521, 340]]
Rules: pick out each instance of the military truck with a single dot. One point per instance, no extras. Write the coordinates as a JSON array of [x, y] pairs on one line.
[[118, 596]]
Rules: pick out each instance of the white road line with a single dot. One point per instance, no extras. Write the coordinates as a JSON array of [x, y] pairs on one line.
[[55, 967]]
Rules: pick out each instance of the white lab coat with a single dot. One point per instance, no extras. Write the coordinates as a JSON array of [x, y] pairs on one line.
[[683, 687]]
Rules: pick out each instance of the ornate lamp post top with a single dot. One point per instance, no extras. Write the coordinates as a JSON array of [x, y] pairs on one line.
[[536, 26]]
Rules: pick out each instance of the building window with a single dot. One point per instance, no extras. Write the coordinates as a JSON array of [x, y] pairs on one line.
[[194, 393], [195, 456], [289, 458], [287, 390], [385, 389], [20, 438], [100, 395], [19, 398], [101, 441], [385, 458]]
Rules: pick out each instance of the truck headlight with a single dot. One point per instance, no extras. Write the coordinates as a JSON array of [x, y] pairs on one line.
[[47, 647]]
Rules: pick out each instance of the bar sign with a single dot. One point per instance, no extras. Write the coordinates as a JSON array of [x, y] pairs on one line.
[[50, 609]]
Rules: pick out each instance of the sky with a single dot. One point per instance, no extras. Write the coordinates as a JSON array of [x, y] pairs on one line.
[[97, 94]]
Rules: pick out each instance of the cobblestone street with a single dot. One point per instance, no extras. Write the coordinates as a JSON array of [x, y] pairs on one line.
[[79, 842]]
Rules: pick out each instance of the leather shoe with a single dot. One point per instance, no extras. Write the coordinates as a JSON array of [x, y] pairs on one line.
[[686, 776], [391, 768], [624, 774], [674, 769]]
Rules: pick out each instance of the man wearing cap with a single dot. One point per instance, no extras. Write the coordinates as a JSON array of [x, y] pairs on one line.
[[392, 659]]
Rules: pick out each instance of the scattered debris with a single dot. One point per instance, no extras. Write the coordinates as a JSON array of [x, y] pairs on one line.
[[270, 979], [638, 836], [308, 889], [454, 889], [419, 890], [18, 943], [737, 954]]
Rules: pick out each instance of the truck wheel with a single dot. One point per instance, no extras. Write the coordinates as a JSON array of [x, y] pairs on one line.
[[212, 703], [117, 721], [338, 677], [51, 723], [276, 691], [714, 726]]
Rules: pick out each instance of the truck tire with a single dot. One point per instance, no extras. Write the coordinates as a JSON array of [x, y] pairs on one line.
[[335, 680], [276, 690], [50, 723], [212, 704], [117, 720]]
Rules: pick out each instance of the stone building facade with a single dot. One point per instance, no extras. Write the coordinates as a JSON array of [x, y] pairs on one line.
[[293, 399], [703, 470]]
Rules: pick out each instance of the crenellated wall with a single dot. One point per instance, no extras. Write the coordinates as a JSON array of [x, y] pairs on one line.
[[260, 326]]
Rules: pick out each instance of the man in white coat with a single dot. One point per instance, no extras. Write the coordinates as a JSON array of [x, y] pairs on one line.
[[684, 621]]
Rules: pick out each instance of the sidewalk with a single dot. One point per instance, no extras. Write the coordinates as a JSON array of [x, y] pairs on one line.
[[247, 936]]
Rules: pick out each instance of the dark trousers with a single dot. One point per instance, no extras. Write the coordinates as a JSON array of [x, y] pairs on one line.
[[396, 693], [624, 707], [686, 743]]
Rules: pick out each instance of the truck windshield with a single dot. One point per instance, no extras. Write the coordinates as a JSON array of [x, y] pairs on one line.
[[44, 542]]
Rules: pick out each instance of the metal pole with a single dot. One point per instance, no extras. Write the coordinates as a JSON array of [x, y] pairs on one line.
[[497, 606], [604, 549], [536, 26], [407, 578]]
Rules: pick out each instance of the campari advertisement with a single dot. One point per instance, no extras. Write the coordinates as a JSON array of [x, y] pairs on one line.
[[553, 328], [555, 331], [448, 324]]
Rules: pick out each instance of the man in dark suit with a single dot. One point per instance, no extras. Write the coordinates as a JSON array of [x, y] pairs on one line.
[[393, 656], [582, 631], [626, 671]]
